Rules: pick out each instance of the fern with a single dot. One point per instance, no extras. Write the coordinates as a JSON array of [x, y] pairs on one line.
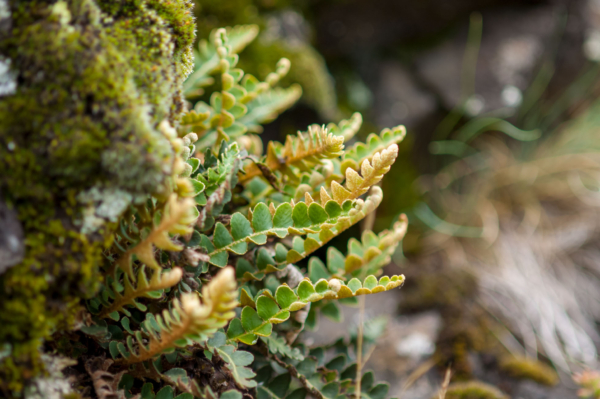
[[258, 320], [169, 309], [243, 103], [179, 214], [189, 321], [147, 289], [360, 152], [302, 151], [364, 257]]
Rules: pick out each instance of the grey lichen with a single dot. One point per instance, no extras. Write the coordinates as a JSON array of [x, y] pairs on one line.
[[54, 385]]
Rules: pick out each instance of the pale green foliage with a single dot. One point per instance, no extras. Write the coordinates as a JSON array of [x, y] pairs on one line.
[[170, 291], [259, 316], [244, 102], [188, 321]]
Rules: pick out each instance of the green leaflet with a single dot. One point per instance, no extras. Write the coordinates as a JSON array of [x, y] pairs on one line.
[[355, 155], [244, 102], [370, 390], [117, 296], [207, 60], [331, 380], [286, 219], [236, 360], [365, 257], [268, 310], [277, 344], [347, 128]]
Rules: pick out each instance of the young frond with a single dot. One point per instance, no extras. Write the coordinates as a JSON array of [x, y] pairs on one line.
[[144, 288], [187, 322], [258, 320], [243, 103], [303, 151], [360, 152], [371, 173], [177, 218], [207, 58], [347, 128]]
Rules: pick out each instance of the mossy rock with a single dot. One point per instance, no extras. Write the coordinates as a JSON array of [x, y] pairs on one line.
[[529, 369], [473, 390], [88, 84]]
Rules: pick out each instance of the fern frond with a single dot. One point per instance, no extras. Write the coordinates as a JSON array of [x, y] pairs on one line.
[[207, 58], [219, 176], [235, 360], [321, 222], [144, 288], [367, 255], [301, 248], [243, 103], [347, 128], [372, 172], [187, 322], [177, 218], [258, 320], [268, 105], [302, 151], [360, 152]]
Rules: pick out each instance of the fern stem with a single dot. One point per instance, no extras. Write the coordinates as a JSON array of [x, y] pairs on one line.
[[359, 345]]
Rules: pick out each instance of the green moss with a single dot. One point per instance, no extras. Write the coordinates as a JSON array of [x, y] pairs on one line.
[[473, 390], [78, 143], [522, 368]]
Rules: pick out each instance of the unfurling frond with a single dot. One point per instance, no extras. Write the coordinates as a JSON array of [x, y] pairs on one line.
[[303, 151], [258, 320], [187, 322], [144, 288], [177, 218]]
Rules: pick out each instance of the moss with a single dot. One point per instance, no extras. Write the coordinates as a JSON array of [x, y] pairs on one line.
[[473, 390], [522, 368], [79, 142]]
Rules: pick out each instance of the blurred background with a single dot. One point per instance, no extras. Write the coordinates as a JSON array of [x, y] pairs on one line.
[[499, 175]]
